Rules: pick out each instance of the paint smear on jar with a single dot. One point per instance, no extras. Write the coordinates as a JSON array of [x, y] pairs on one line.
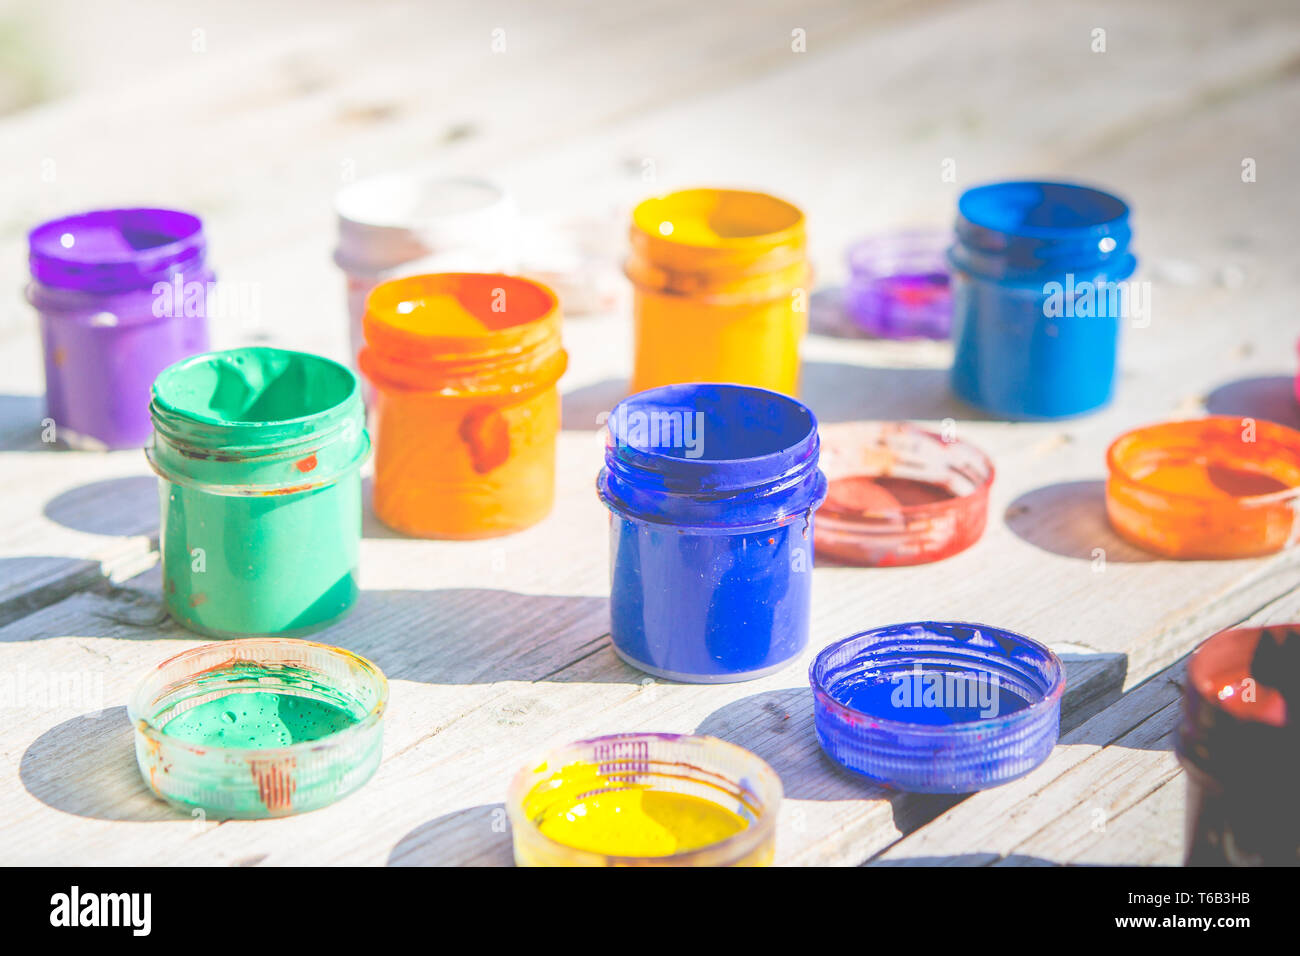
[[637, 821]]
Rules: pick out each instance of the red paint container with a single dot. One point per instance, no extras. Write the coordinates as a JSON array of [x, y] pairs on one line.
[[899, 495], [1239, 742]]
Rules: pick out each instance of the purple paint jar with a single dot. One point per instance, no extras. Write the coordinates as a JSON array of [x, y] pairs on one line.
[[898, 285], [121, 294]]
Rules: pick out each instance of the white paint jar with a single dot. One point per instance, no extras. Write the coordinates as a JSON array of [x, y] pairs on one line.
[[406, 224]]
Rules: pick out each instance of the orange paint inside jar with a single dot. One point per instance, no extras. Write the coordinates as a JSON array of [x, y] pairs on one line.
[[722, 283], [1216, 487], [466, 410]]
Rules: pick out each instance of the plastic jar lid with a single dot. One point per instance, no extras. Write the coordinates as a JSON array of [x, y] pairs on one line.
[[898, 286], [463, 332], [715, 804], [1219, 487], [259, 727], [116, 250], [937, 707], [899, 495]]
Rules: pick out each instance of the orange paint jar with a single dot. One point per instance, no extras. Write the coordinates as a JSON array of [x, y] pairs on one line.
[[1218, 487], [721, 279], [466, 409]]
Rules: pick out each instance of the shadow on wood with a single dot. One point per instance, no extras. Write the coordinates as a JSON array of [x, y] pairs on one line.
[[86, 766], [125, 506], [479, 836], [20, 423], [844, 393], [1069, 519], [585, 409], [477, 635], [1272, 398]]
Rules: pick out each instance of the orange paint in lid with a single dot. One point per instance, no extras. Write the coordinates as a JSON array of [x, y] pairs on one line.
[[1217, 487]]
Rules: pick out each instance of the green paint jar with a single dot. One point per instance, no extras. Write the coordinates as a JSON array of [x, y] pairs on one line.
[[259, 452]]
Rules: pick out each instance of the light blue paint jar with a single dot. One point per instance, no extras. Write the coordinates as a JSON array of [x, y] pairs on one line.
[[711, 490], [1038, 292]]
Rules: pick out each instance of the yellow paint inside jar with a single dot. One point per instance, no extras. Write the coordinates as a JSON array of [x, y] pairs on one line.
[[583, 809], [722, 285], [639, 822]]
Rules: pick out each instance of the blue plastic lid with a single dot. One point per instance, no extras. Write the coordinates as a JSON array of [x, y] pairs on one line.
[[946, 707]]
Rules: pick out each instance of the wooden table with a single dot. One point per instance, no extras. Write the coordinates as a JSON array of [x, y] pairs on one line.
[[498, 648]]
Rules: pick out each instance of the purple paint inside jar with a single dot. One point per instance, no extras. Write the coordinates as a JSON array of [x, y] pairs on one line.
[[120, 294]]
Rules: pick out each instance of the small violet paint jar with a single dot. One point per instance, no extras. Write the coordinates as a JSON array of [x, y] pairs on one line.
[[937, 707], [466, 411], [258, 451], [727, 272], [258, 727], [1238, 741], [121, 294], [645, 800], [898, 285], [1038, 291], [711, 490]]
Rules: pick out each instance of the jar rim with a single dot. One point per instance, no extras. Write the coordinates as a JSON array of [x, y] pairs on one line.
[[137, 704], [461, 339], [882, 636], [802, 421], [1145, 435], [1229, 649], [980, 206], [125, 248], [783, 218], [171, 403]]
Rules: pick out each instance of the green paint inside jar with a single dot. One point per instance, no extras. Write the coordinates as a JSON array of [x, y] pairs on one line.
[[259, 453], [258, 719]]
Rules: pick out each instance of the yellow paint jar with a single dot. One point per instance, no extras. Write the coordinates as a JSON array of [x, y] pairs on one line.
[[645, 800], [722, 281]]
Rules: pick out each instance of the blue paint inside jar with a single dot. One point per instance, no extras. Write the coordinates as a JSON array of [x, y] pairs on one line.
[[711, 490], [879, 695], [937, 707], [1037, 270]]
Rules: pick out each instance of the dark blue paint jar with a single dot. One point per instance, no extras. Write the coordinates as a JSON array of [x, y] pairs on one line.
[[711, 490], [1038, 293]]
